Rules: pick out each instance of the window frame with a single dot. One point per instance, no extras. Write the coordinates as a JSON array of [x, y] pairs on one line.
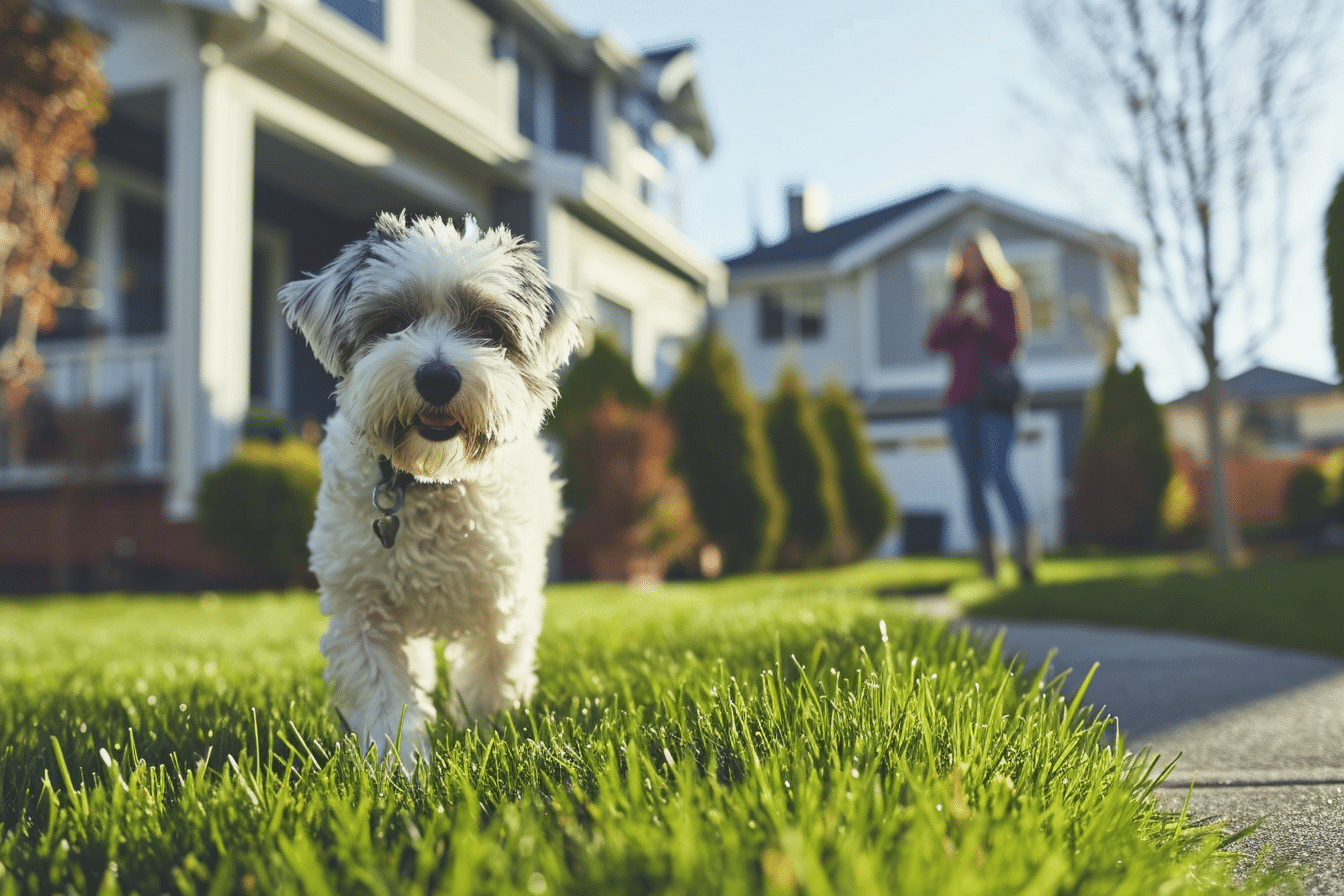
[[791, 314], [926, 264]]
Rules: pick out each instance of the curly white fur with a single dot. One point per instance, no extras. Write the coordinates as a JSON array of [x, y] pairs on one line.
[[469, 562]]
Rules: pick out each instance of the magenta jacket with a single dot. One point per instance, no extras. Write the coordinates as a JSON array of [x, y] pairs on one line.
[[967, 342]]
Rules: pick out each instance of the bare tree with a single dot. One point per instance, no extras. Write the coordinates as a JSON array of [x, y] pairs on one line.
[[1199, 107]]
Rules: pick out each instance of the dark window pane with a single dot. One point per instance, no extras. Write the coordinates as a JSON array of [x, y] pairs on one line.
[[771, 317], [573, 112], [527, 98], [367, 14], [513, 208], [140, 279], [259, 354], [811, 324]]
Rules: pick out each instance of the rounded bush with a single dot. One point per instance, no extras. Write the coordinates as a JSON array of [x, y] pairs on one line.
[[260, 505], [1304, 504]]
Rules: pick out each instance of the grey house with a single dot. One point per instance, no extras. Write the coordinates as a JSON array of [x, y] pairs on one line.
[[853, 300]]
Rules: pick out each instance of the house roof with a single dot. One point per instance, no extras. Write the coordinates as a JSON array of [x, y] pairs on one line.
[[1262, 382], [672, 72], [853, 242], [819, 246]]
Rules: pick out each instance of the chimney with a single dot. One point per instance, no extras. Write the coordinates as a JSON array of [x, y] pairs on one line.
[[808, 208]]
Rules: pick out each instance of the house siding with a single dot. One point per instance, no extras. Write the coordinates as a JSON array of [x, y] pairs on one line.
[[662, 305], [901, 322], [454, 40]]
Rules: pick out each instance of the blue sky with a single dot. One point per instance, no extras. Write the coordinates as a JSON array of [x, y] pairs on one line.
[[879, 99]]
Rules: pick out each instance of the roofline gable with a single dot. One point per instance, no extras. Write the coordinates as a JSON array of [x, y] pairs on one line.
[[885, 239]]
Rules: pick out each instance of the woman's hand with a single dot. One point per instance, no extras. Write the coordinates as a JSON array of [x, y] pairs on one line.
[[972, 306]]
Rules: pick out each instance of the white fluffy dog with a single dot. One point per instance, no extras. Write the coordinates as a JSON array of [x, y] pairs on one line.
[[445, 346]]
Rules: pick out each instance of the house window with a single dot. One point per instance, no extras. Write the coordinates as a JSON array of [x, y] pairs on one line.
[[79, 318], [527, 98], [800, 316], [616, 319], [573, 112], [935, 289], [1036, 262], [1269, 426], [1040, 278], [367, 14], [140, 277]]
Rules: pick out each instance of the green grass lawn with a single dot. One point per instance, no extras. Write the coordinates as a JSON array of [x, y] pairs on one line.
[[1296, 603], [776, 734]]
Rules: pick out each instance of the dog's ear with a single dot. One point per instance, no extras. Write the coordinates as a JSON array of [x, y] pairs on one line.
[[319, 305], [562, 334]]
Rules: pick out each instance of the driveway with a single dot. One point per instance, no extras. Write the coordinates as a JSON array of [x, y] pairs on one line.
[[1259, 731]]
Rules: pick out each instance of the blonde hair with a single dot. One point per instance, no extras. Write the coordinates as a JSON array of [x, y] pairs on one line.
[[991, 252]]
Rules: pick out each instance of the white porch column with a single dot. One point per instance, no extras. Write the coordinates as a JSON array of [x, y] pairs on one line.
[[209, 247]]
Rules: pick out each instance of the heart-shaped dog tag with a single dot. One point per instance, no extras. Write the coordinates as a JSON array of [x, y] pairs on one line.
[[386, 529]]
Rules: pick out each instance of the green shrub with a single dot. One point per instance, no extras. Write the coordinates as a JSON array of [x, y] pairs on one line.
[[1334, 270], [260, 505], [723, 455], [1124, 465], [603, 373], [806, 470], [870, 508], [1304, 505]]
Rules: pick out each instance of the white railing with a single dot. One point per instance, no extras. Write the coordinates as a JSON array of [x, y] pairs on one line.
[[101, 373]]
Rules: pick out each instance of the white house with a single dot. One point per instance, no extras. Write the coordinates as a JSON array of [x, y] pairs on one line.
[[853, 301], [250, 139]]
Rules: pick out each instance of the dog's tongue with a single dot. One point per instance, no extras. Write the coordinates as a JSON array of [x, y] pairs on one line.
[[437, 419]]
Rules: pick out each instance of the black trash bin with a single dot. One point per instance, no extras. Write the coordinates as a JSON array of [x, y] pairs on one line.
[[922, 532]]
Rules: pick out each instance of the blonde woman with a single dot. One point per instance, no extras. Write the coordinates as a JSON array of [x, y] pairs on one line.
[[981, 330]]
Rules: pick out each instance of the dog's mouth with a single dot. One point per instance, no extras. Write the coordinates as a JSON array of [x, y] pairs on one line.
[[437, 426]]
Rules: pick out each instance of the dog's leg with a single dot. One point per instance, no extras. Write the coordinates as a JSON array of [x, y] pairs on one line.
[[493, 670], [376, 675]]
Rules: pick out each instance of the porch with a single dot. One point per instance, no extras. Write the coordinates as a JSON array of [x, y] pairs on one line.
[[99, 415]]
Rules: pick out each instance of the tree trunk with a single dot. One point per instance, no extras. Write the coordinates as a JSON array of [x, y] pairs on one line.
[[1224, 538]]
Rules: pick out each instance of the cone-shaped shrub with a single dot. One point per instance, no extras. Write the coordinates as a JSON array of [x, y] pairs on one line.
[[639, 517], [1124, 464], [805, 468], [1334, 270], [870, 508], [603, 373], [724, 457]]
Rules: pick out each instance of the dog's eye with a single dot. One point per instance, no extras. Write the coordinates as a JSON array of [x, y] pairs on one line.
[[487, 330], [391, 323]]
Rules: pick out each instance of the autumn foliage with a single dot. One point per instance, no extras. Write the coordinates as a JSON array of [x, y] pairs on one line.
[[52, 95]]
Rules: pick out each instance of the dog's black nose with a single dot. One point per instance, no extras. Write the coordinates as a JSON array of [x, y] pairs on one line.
[[437, 382]]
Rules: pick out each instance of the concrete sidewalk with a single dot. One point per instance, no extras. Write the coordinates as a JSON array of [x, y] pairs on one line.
[[1259, 731]]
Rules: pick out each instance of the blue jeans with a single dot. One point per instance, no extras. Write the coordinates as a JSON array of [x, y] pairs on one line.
[[984, 442]]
